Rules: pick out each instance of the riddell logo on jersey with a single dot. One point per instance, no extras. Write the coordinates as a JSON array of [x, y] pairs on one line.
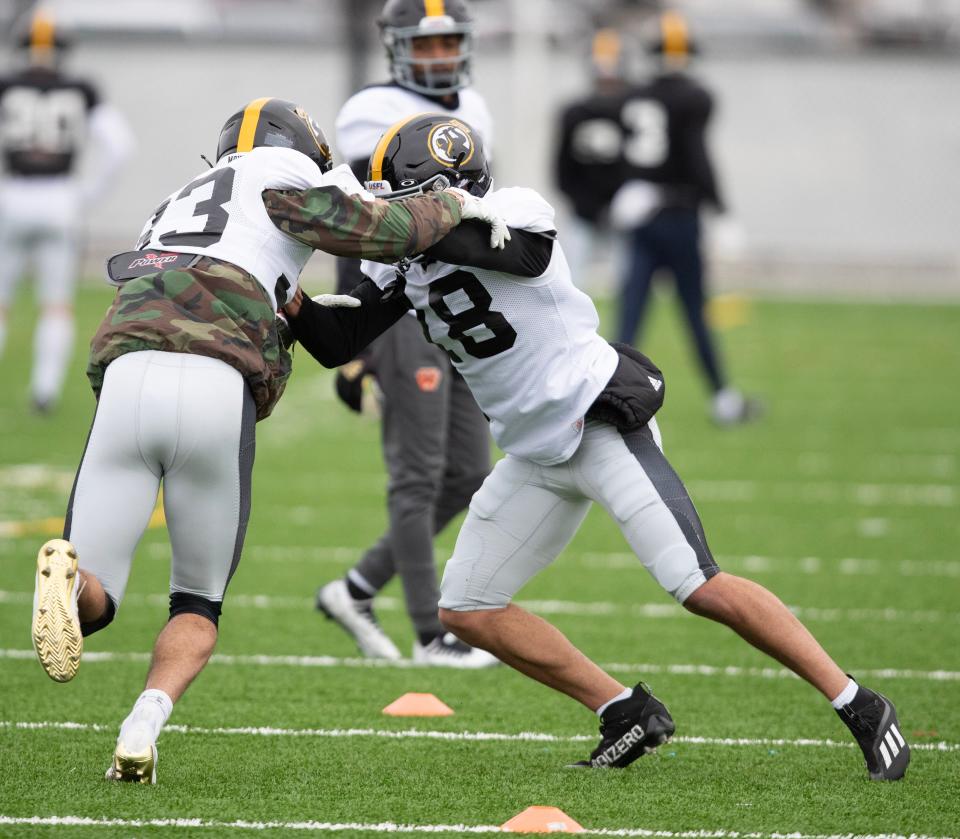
[[153, 260], [428, 378]]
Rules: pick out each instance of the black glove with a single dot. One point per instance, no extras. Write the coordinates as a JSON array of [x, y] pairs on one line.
[[357, 387]]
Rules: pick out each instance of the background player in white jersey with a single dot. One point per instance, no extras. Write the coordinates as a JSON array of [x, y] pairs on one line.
[[187, 358], [575, 418], [435, 440], [47, 119]]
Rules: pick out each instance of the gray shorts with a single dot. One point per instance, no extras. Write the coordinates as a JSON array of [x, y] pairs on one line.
[[185, 420], [525, 514]]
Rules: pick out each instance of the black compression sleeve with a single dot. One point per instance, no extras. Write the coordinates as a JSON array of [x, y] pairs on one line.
[[333, 336], [527, 254]]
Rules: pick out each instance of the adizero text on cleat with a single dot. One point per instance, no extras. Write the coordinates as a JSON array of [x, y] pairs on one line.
[[872, 720], [56, 627], [134, 767], [629, 729]]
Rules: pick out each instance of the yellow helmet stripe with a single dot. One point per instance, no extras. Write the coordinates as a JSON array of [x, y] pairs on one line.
[[248, 128], [606, 46], [434, 8], [41, 32], [376, 161], [674, 30]]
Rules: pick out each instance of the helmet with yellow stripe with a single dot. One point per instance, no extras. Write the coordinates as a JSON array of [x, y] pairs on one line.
[[42, 38], [429, 44], [428, 152], [275, 122], [673, 42]]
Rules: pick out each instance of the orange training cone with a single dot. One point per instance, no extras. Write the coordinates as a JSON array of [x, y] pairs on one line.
[[542, 820], [418, 705]]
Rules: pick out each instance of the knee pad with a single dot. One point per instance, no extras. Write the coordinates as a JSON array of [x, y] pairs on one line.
[[184, 603], [106, 618]]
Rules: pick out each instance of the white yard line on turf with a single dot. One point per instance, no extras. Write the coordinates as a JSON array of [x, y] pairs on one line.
[[615, 560], [455, 736], [560, 607], [708, 670], [393, 827]]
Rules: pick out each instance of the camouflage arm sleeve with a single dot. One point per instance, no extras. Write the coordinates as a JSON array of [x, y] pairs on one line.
[[327, 219]]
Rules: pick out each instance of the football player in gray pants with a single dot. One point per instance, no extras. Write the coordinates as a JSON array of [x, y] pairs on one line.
[[575, 417], [436, 445], [189, 356]]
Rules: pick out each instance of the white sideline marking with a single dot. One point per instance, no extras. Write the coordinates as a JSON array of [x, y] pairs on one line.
[[406, 664], [456, 736], [394, 827], [558, 607]]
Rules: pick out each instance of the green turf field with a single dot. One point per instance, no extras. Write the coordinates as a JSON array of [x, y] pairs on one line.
[[845, 501]]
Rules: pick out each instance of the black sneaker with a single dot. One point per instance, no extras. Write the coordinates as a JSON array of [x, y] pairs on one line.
[[872, 720], [629, 729]]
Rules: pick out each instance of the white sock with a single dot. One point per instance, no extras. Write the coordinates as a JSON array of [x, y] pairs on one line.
[[845, 696], [142, 726], [52, 348], [625, 694]]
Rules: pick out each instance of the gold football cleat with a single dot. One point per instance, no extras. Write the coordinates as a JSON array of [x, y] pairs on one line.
[[134, 767], [56, 627]]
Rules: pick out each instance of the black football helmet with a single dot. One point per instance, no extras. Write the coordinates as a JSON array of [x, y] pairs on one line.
[[401, 21], [41, 39], [275, 122], [672, 41], [428, 152]]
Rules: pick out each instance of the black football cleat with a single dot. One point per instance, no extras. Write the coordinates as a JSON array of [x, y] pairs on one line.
[[872, 720], [629, 729]]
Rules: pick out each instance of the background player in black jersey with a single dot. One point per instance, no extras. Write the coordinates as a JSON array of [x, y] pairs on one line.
[[47, 117], [669, 176], [435, 440], [587, 163]]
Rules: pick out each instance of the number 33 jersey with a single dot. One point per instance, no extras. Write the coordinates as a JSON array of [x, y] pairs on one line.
[[527, 347], [221, 214]]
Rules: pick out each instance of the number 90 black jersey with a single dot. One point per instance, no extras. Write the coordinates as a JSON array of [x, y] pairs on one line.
[[527, 346], [43, 121]]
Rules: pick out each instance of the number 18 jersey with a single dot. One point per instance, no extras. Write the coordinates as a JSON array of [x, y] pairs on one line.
[[528, 348]]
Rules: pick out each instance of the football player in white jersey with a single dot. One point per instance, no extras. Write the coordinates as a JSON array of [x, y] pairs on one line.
[[436, 445], [47, 120], [188, 357], [575, 416]]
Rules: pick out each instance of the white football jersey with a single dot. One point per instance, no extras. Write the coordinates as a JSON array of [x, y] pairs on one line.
[[367, 114], [220, 214], [527, 347]]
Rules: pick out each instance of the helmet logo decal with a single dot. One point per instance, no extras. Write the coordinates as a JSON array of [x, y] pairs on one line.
[[450, 143], [315, 131]]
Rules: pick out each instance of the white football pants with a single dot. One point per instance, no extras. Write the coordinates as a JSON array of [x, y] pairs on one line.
[[185, 420], [525, 514], [40, 223]]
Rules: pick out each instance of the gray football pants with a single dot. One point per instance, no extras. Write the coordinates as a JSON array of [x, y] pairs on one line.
[[436, 446], [186, 421], [525, 514]]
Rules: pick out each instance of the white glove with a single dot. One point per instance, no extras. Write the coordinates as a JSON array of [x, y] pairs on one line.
[[477, 208], [336, 301], [634, 204]]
